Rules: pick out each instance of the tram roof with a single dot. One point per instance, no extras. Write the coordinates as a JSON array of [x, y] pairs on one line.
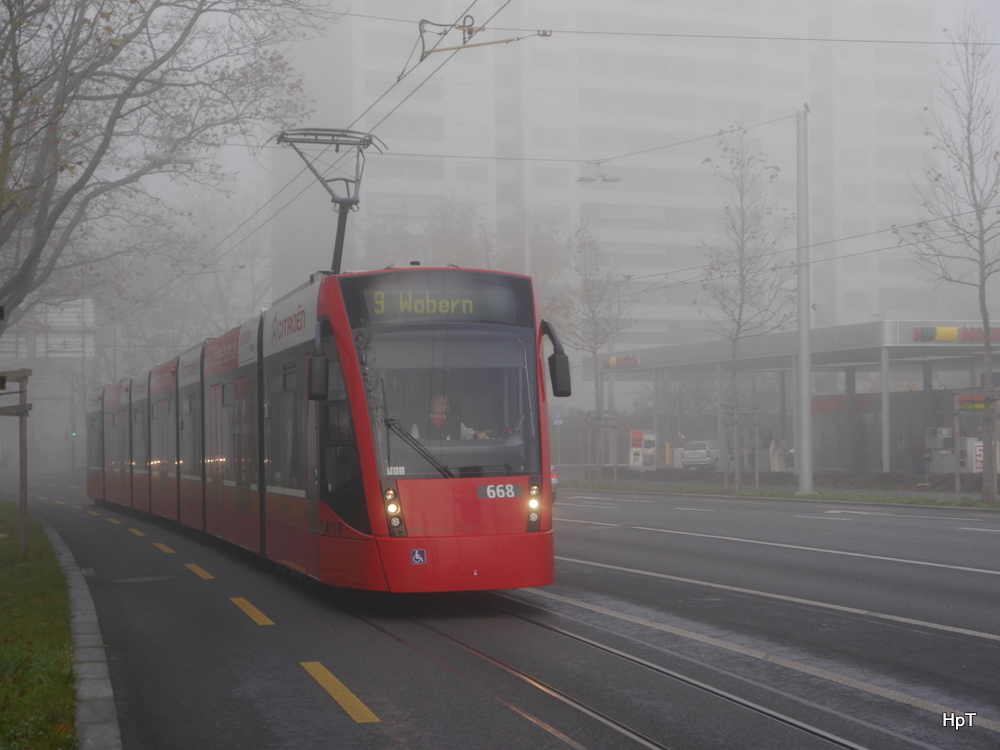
[[834, 348]]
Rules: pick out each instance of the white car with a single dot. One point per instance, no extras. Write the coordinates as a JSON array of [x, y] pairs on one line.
[[700, 453]]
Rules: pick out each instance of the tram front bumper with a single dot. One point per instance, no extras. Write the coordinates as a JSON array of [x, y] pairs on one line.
[[467, 563]]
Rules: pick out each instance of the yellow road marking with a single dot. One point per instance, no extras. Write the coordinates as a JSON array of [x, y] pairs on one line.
[[114, 520], [339, 692], [137, 532], [200, 572], [60, 502], [163, 547], [252, 612], [93, 512]]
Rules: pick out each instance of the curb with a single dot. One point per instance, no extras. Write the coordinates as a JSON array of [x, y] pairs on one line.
[[96, 719]]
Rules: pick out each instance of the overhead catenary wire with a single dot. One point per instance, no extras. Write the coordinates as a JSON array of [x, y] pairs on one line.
[[406, 72], [812, 262], [698, 36], [178, 277]]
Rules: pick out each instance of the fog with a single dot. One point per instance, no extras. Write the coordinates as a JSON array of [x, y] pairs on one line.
[[498, 151]]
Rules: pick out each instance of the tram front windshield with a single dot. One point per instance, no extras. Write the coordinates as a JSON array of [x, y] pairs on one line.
[[452, 400]]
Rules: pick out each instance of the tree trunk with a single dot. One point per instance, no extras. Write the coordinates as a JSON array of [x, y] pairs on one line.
[[599, 408]]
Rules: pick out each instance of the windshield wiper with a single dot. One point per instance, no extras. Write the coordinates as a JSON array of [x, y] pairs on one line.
[[393, 424]]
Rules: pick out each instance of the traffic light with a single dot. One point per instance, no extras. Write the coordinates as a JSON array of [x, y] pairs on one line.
[[3, 382]]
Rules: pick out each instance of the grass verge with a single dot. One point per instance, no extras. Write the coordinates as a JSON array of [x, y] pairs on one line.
[[37, 684]]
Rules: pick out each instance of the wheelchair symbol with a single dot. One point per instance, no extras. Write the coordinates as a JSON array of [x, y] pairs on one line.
[[418, 556]]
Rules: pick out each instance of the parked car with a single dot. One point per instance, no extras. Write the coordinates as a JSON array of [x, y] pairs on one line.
[[700, 453], [555, 482]]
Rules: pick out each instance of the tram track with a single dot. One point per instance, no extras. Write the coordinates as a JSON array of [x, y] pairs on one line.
[[672, 674], [560, 695], [585, 708]]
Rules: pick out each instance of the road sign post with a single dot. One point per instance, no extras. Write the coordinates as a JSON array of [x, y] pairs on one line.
[[21, 412]]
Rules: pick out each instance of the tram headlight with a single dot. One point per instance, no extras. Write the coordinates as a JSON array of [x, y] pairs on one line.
[[534, 491], [533, 503], [393, 511]]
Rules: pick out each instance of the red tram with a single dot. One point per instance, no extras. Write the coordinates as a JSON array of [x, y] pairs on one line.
[[306, 435]]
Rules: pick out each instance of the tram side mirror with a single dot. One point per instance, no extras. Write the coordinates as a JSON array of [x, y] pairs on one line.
[[319, 371], [559, 374], [558, 363]]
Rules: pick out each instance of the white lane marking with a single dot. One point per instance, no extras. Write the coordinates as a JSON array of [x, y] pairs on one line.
[[784, 598], [840, 679], [965, 528], [609, 499], [825, 518], [800, 547], [699, 510], [898, 515], [584, 505]]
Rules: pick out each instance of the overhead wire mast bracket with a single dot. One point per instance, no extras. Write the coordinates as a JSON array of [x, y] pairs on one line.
[[468, 29]]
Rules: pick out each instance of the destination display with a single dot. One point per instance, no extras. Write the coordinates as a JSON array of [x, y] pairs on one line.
[[437, 296]]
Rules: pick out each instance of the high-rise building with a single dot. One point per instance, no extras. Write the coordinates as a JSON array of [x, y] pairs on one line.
[[607, 122]]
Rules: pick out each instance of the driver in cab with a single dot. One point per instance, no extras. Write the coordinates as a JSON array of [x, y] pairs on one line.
[[440, 425]]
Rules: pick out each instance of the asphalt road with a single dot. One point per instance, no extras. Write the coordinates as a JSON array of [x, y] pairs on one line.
[[675, 622]]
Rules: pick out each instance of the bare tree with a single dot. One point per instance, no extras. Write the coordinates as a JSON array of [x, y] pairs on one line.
[[596, 307], [748, 287], [957, 239], [198, 280], [453, 233], [98, 95], [456, 233]]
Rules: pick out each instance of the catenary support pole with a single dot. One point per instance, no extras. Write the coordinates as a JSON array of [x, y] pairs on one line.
[[803, 408]]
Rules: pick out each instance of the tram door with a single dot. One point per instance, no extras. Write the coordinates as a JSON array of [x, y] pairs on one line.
[[215, 452], [244, 450], [340, 485], [231, 453]]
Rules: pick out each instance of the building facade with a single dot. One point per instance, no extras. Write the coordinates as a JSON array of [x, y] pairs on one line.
[[607, 122]]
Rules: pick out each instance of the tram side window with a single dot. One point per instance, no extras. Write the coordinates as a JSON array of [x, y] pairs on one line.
[[190, 436], [121, 437], [94, 459], [162, 455], [140, 436], [343, 491], [285, 430], [225, 435]]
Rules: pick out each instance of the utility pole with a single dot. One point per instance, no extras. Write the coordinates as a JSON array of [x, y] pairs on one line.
[[803, 410]]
